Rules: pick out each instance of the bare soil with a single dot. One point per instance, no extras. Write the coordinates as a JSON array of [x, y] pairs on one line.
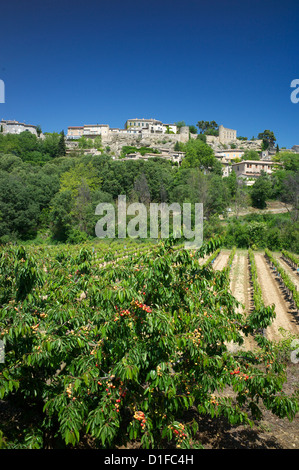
[[271, 432], [221, 260], [241, 290], [273, 293], [273, 207]]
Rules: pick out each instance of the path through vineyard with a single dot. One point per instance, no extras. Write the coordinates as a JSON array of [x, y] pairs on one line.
[[272, 292], [273, 432], [221, 260], [240, 288]]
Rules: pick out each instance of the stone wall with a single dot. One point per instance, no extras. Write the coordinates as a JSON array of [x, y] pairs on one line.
[[14, 127], [215, 143], [160, 141]]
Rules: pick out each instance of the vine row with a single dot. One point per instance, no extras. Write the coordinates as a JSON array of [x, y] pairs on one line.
[[211, 258], [283, 277], [291, 259], [261, 314]]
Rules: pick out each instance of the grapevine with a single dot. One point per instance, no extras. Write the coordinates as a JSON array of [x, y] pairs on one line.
[[291, 259], [283, 276], [262, 316]]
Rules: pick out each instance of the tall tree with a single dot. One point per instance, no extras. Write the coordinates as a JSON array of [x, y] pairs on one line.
[[61, 151], [251, 155], [180, 124], [192, 129], [201, 155], [81, 175], [38, 130], [208, 127], [268, 139], [290, 194], [261, 191], [142, 189]]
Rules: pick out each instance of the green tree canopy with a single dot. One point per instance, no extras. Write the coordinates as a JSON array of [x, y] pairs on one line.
[[251, 155], [201, 155], [79, 175], [261, 191], [61, 150], [289, 160], [208, 127], [268, 139]]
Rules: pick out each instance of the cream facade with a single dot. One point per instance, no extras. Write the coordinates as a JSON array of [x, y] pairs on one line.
[[139, 124], [249, 170], [141, 127], [148, 126], [229, 155], [94, 130], [75, 132], [88, 130]]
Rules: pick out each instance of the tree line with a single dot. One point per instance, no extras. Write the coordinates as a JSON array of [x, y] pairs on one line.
[[46, 193]]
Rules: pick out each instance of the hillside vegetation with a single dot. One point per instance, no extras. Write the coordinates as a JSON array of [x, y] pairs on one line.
[[46, 196]]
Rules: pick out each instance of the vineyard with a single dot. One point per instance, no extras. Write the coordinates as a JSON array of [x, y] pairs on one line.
[[130, 344]]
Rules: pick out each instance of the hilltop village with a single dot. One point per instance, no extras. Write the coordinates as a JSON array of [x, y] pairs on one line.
[[150, 138]]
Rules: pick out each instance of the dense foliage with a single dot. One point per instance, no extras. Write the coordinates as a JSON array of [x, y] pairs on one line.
[[120, 349], [277, 231], [51, 197]]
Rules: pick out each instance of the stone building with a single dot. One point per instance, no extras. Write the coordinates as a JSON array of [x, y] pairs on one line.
[[74, 132], [88, 130], [16, 127], [149, 126], [227, 135], [139, 124]]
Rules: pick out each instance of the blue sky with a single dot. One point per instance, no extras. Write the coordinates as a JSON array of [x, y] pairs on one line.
[[72, 62]]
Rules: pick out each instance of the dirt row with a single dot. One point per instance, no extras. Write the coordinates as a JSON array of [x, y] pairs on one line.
[[240, 287], [286, 316], [273, 293], [272, 432]]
